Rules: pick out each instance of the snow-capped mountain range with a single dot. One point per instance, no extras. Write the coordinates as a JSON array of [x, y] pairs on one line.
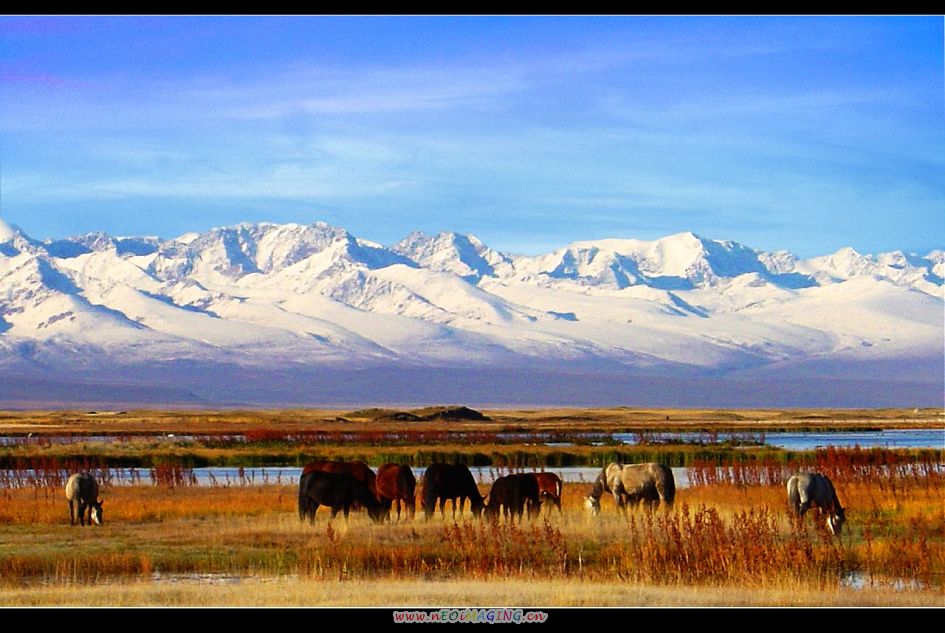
[[271, 299]]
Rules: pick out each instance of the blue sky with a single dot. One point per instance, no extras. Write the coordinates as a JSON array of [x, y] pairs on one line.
[[806, 134]]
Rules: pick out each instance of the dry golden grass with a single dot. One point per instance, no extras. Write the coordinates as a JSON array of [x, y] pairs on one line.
[[147, 504], [494, 592], [722, 545]]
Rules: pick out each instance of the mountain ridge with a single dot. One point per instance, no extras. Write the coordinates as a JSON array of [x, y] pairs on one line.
[[310, 296]]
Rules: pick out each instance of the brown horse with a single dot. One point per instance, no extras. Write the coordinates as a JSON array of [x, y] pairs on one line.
[[512, 493], [359, 470], [549, 487], [450, 481], [633, 483], [339, 491], [396, 483]]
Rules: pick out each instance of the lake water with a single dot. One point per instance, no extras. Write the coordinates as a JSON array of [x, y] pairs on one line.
[[794, 440], [805, 441], [908, 438]]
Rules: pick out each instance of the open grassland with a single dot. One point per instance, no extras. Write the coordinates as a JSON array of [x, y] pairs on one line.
[[618, 419], [551, 438], [727, 541], [495, 592], [721, 544]]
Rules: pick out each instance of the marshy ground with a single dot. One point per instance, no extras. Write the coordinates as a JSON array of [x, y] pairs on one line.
[[727, 541]]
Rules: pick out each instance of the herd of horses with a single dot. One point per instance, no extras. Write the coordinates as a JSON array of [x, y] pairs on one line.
[[343, 485], [346, 485]]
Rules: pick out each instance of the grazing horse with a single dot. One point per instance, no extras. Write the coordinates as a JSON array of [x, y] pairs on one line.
[[512, 492], [549, 487], [633, 483], [82, 491], [339, 491], [359, 470], [396, 483], [807, 490], [450, 481]]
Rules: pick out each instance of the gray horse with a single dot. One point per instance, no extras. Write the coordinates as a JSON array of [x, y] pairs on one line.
[[809, 490], [82, 491], [633, 483]]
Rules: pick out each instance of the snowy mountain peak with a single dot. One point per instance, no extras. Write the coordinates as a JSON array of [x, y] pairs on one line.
[[99, 241], [844, 264], [676, 262], [308, 296], [462, 255], [235, 251]]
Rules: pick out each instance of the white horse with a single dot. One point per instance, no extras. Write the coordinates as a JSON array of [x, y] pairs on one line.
[[633, 483], [82, 491], [815, 490]]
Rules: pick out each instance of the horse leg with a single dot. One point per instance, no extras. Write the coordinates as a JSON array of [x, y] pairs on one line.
[[311, 512], [620, 502], [71, 512]]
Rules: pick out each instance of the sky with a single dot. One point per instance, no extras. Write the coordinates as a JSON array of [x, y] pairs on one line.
[[805, 134]]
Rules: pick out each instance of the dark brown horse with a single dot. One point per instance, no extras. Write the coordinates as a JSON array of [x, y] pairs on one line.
[[549, 487], [396, 483], [339, 491], [512, 493], [359, 470], [450, 481]]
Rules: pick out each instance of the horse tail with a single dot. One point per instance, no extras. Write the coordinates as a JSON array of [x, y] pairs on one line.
[[305, 503], [794, 494], [666, 486]]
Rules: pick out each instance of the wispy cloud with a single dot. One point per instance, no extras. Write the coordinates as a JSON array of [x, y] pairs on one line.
[[619, 124]]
